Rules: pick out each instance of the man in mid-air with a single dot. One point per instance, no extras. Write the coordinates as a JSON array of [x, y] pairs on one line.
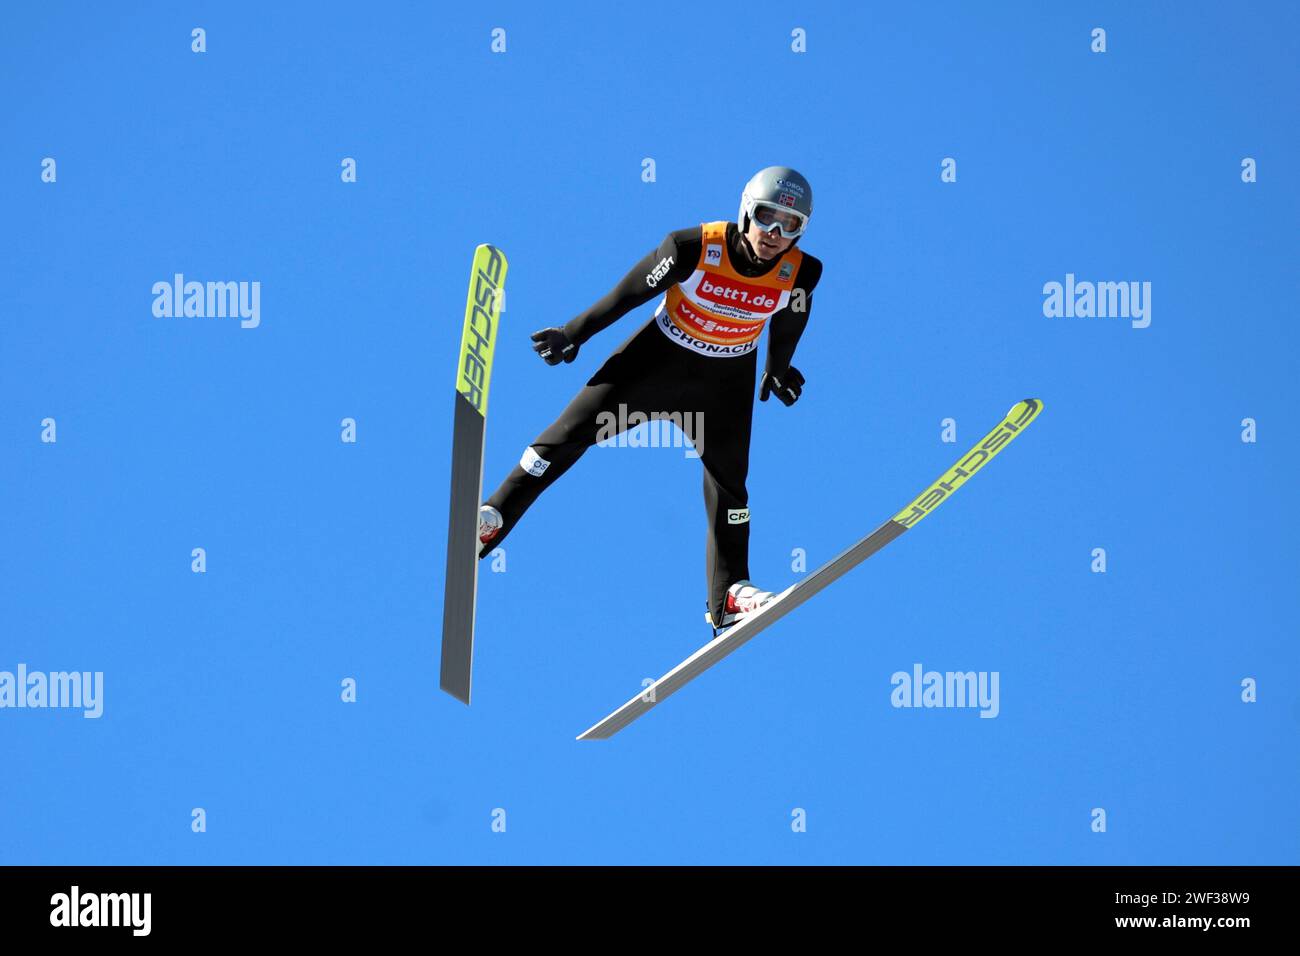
[[720, 283]]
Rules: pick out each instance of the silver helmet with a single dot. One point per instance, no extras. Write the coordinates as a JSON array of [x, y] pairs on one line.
[[784, 194]]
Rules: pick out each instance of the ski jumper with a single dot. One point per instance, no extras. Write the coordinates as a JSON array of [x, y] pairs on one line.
[[695, 356]]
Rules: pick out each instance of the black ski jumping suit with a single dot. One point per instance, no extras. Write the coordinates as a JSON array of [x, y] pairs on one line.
[[696, 356]]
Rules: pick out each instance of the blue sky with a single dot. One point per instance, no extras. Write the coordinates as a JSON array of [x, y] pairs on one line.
[[1119, 690]]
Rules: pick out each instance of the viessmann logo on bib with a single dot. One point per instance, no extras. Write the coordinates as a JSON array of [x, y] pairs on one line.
[[713, 329]]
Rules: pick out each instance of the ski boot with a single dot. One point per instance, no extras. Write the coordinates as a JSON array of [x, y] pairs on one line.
[[489, 523], [742, 598]]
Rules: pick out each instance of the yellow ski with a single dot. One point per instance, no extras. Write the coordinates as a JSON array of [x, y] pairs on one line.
[[1016, 420], [473, 376]]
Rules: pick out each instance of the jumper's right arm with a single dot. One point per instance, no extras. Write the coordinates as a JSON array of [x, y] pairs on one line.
[[639, 286]]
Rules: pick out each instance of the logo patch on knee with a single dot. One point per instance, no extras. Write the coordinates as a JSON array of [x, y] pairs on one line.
[[533, 463], [737, 515]]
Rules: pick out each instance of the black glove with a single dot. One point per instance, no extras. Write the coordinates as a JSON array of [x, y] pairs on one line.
[[554, 346], [788, 387]]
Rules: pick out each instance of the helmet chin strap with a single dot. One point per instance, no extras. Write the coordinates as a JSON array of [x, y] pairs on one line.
[[744, 237]]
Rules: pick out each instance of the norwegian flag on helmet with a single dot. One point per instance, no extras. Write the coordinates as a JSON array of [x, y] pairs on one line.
[[786, 199]]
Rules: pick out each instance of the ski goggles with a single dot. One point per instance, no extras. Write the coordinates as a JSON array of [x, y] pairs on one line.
[[770, 216]]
